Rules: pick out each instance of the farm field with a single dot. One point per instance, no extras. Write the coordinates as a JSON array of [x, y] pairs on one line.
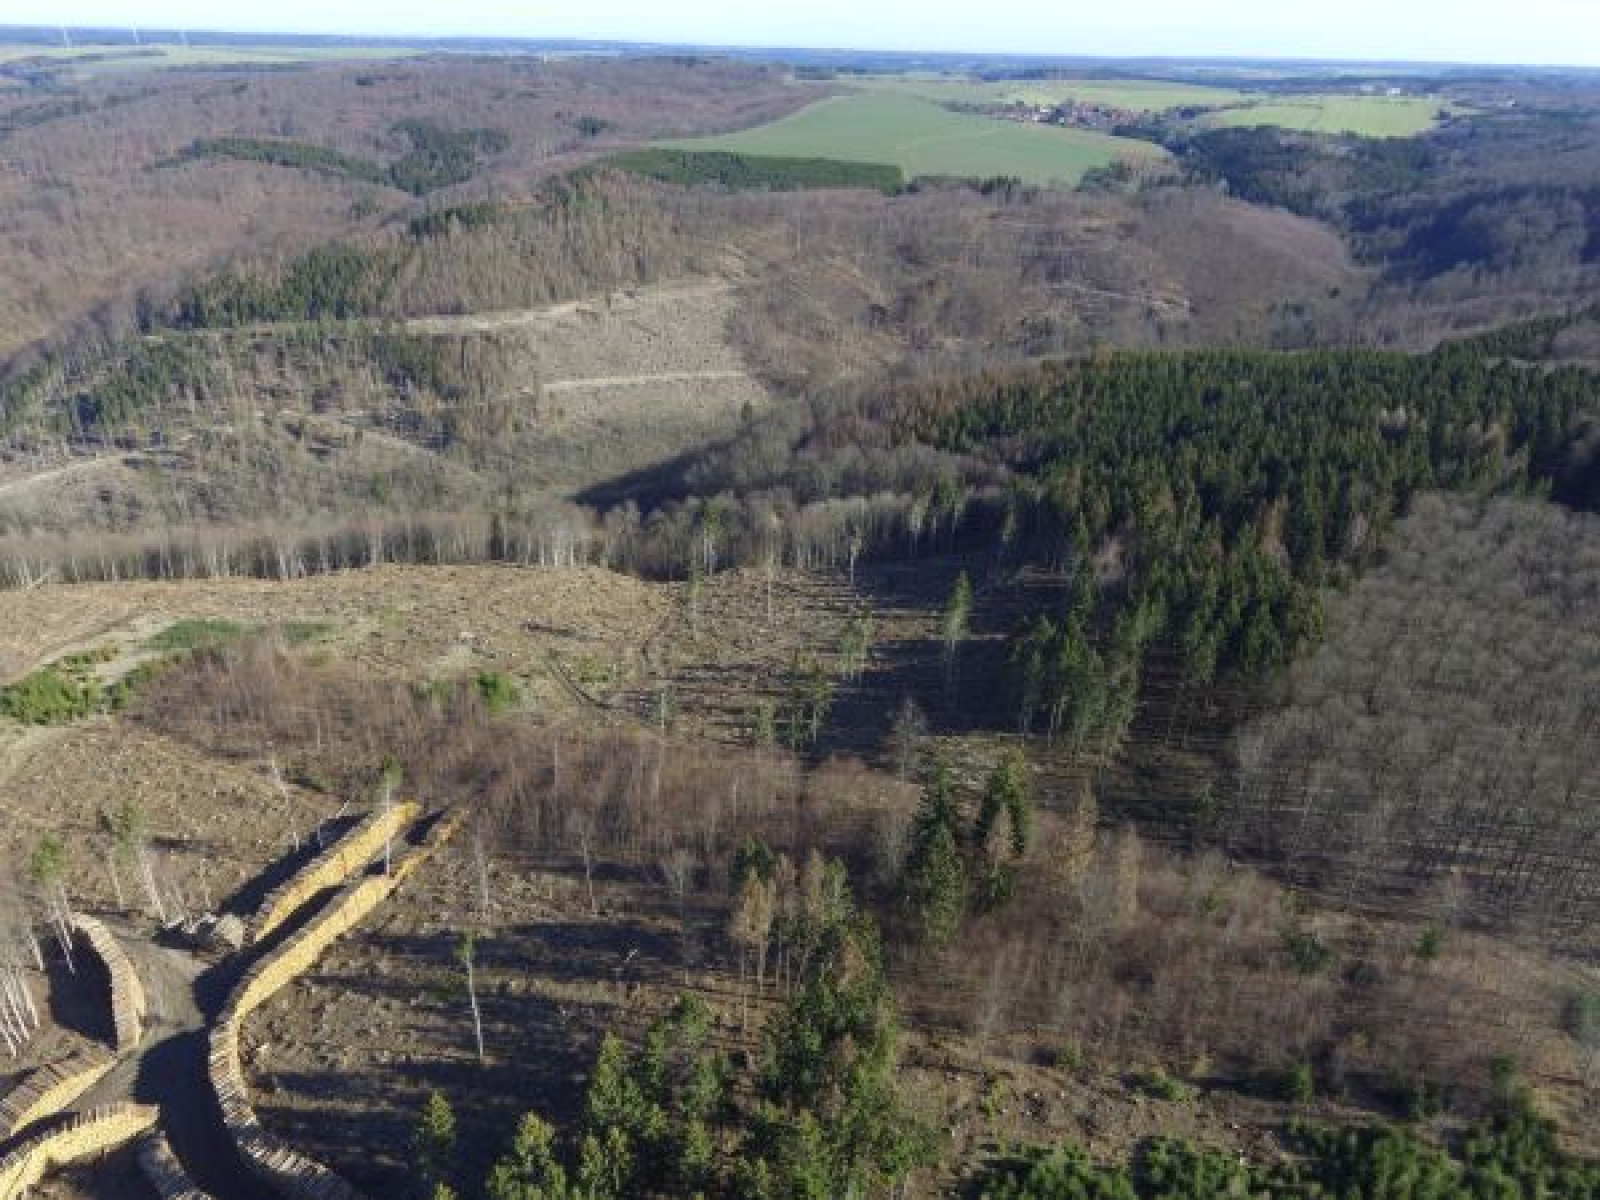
[[1148, 95], [1372, 116], [92, 59], [922, 138], [1368, 116]]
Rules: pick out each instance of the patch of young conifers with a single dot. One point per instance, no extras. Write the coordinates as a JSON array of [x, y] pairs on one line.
[[817, 1112], [71, 688], [1512, 1154]]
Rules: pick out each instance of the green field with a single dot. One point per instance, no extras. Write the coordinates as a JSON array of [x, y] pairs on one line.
[[921, 138], [1371, 116], [1368, 116], [1145, 95]]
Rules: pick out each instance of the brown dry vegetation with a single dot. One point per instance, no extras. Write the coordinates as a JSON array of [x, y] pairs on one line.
[[1438, 752], [293, 429], [1120, 958], [92, 216], [947, 279], [573, 347], [1123, 955]]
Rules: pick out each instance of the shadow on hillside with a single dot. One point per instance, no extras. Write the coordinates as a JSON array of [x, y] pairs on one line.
[[355, 1110], [969, 696], [648, 487]]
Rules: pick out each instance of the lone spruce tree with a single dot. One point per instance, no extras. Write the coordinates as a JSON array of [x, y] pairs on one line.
[[1001, 833], [433, 1148], [935, 886]]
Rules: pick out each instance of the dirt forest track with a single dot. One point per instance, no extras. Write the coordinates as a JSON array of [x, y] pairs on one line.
[[624, 381], [71, 472], [631, 377], [168, 1072], [638, 304], [607, 386]]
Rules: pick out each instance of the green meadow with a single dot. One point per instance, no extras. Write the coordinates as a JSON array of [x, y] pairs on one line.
[[1366, 116], [883, 125], [1370, 116], [1144, 95]]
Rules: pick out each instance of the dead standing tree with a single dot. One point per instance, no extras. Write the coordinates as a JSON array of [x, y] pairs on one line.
[[467, 956], [957, 624], [678, 868], [128, 834], [19, 1016], [750, 929]]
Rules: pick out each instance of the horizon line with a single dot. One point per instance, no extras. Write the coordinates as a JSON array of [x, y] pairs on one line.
[[1286, 59]]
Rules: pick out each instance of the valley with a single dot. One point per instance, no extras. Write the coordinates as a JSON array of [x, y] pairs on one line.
[[610, 622]]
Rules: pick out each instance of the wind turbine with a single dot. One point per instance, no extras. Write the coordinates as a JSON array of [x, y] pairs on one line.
[[66, 38]]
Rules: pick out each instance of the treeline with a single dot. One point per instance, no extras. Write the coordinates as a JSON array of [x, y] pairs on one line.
[[281, 153], [765, 172], [559, 536], [1532, 340], [439, 157]]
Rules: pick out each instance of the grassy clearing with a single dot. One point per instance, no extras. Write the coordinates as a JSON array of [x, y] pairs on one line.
[[302, 633], [197, 634], [1366, 116], [75, 687], [210, 633], [68, 690], [1145, 95], [921, 138]]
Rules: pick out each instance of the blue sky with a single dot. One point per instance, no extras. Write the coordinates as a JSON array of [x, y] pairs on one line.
[[1523, 31]]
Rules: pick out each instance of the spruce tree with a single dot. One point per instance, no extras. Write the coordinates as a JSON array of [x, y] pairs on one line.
[[935, 885], [433, 1146]]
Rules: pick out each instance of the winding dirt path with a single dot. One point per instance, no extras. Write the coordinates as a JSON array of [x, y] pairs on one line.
[[12, 489], [616, 304]]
